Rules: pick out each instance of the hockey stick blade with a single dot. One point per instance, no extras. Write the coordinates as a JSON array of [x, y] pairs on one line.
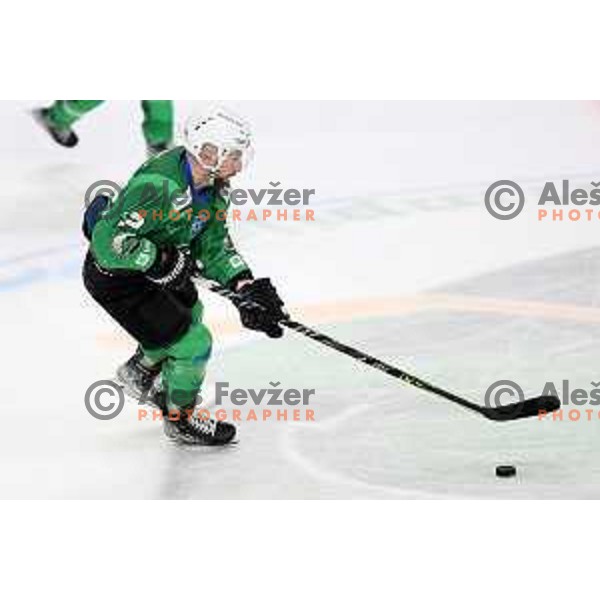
[[522, 410]]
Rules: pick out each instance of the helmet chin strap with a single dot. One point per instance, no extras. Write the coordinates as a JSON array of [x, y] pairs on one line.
[[213, 170]]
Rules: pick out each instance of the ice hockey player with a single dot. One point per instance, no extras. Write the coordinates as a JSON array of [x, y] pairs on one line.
[[140, 263], [58, 121]]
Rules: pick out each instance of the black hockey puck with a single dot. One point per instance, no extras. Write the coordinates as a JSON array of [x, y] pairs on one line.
[[506, 471]]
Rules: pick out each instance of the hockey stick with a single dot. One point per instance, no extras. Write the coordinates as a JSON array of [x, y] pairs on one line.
[[511, 412]]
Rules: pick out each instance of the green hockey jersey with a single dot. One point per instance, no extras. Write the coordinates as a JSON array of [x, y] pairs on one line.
[[159, 206]]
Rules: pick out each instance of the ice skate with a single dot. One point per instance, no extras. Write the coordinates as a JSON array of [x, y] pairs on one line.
[[64, 136], [153, 150], [184, 426], [137, 379]]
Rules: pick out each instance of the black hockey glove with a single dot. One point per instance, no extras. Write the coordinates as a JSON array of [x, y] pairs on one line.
[[172, 268], [260, 307]]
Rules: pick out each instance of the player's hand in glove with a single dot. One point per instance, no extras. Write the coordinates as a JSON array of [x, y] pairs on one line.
[[260, 307], [172, 268]]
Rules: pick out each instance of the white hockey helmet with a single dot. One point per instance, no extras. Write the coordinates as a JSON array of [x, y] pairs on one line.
[[221, 128]]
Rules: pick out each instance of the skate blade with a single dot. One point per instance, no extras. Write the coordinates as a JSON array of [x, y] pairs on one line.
[[190, 443]]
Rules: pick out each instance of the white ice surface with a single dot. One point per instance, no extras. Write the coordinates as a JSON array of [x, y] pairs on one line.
[[400, 223]]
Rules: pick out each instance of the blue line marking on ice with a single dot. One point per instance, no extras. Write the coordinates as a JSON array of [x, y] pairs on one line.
[[43, 252], [21, 279], [69, 267]]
